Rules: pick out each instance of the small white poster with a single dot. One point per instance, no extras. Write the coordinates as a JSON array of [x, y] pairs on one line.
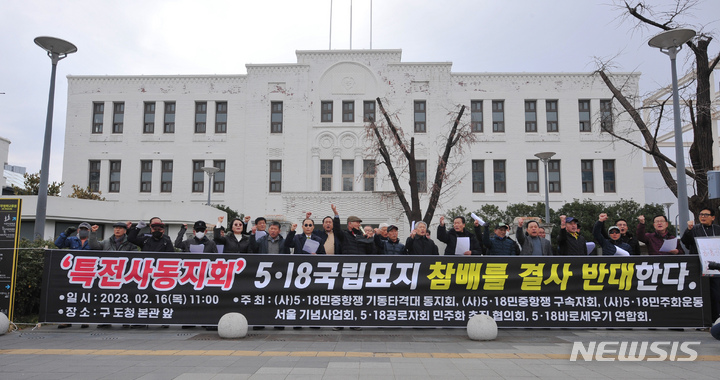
[[462, 245]]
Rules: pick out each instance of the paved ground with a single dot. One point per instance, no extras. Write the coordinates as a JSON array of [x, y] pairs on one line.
[[377, 354]]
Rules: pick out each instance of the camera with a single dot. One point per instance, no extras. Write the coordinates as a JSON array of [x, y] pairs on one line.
[[713, 265]]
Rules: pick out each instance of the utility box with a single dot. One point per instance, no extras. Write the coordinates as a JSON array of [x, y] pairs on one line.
[[713, 177]]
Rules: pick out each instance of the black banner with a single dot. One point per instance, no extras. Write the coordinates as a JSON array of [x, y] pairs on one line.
[[9, 237], [383, 291]]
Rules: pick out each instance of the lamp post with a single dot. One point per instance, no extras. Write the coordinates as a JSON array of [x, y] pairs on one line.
[[57, 49], [210, 170], [670, 42], [545, 157], [667, 207]]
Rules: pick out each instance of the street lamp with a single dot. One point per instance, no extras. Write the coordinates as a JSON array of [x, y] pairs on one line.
[[545, 157], [667, 206], [670, 42], [210, 170], [57, 49]]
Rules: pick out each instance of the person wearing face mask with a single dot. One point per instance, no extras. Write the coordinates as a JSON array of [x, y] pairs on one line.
[[297, 241], [236, 240], [198, 243], [419, 242], [531, 242], [155, 241], [570, 241], [80, 241], [458, 231]]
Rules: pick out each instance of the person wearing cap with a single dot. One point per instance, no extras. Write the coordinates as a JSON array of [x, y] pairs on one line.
[[626, 236], [609, 246], [419, 242], [352, 239], [530, 241], [655, 240], [570, 241], [155, 241], [391, 245], [499, 243], [117, 242], [198, 239], [458, 231], [80, 241]]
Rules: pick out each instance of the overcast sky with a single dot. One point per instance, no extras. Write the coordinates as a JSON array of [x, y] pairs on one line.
[[168, 37]]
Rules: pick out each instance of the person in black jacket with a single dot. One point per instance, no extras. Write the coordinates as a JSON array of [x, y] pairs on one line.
[[198, 240], [570, 241], [234, 241], [418, 243], [293, 240], [458, 231], [155, 241], [352, 240]]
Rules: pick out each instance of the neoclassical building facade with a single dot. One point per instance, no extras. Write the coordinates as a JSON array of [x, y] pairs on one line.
[[290, 138]]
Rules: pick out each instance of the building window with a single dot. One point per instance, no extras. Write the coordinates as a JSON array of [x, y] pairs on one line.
[[498, 115], [275, 176], [421, 171], [197, 177], [554, 176], [609, 176], [169, 118], [586, 174], [149, 118], [221, 117], [166, 176], [276, 117], [533, 176], [326, 170], [606, 116], [94, 176], [98, 114], [369, 175], [551, 114], [348, 111], [499, 175], [348, 174], [146, 176], [478, 176], [114, 177], [584, 114], [200, 116], [326, 111], [530, 116], [420, 116], [476, 115], [219, 177], [369, 111], [118, 117]]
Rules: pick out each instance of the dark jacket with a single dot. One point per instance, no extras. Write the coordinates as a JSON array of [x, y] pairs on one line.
[[353, 242], [628, 238], [389, 247], [72, 242], [688, 238], [230, 242], [209, 246], [526, 241], [608, 245], [450, 238], [568, 245], [499, 246], [324, 236], [261, 245], [297, 242], [110, 244], [148, 243], [421, 245], [654, 241]]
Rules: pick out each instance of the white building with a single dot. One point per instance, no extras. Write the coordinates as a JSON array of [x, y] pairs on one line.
[[290, 138]]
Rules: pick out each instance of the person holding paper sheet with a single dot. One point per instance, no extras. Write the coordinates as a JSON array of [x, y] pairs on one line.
[[458, 237], [199, 243], [419, 243], [570, 241], [655, 240], [306, 242], [610, 246]]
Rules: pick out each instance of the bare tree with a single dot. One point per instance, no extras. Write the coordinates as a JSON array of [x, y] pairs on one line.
[[398, 156], [699, 111]]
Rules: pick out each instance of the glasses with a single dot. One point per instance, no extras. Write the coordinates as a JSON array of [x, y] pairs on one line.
[[308, 225], [702, 214]]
